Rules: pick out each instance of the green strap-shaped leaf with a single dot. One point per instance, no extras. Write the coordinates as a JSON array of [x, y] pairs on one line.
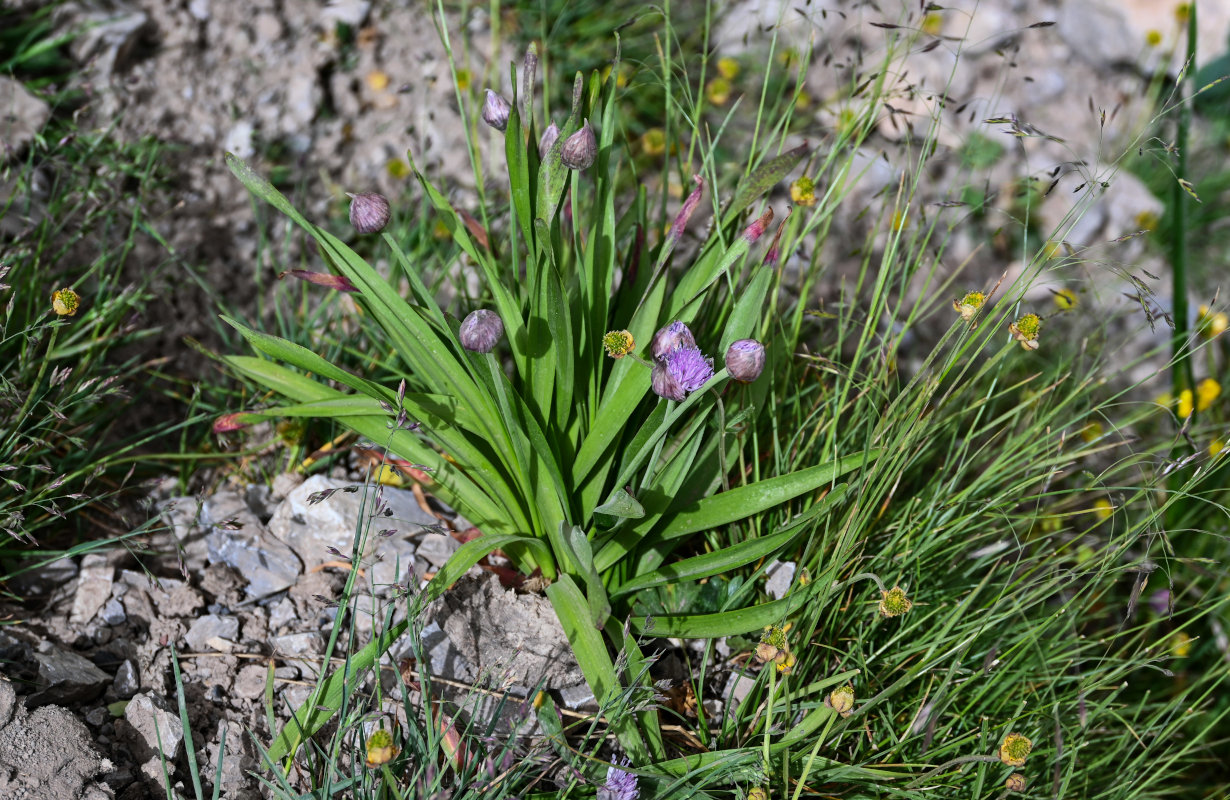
[[726, 507], [762, 179], [589, 646], [732, 557], [724, 623]]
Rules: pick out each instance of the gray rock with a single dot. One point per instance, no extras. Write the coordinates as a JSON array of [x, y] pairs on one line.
[[126, 682], [169, 597], [309, 529], [93, 588], [66, 678], [578, 697], [238, 540], [346, 12], [213, 632], [113, 612], [22, 115], [47, 753], [508, 637], [738, 687], [283, 484], [1098, 33], [781, 576], [310, 646], [152, 720], [436, 548], [250, 682], [97, 716], [282, 614]]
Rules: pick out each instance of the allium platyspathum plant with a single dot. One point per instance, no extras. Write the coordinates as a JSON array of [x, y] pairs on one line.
[[581, 464]]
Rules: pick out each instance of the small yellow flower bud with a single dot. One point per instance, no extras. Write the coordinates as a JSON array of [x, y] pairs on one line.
[[1103, 509], [1092, 431], [728, 68], [968, 305], [718, 91], [1216, 446], [65, 302], [785, 662], [380, 748], [1153, 38], [1014, 750], [618, 343], [1180, 645], [841, 700], [757, 793], [803, 192], [1025, 330], [894, 602], [653, 142], [1015, 782]]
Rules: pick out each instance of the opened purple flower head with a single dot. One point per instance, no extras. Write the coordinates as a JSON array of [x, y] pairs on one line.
[[620, 784]]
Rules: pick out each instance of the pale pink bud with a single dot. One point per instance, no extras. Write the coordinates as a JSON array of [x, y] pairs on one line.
[[580, 149], [480, 330], [745, 360], [369, 212], [496, 111]]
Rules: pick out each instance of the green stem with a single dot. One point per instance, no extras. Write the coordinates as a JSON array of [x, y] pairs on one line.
[[949, 764]]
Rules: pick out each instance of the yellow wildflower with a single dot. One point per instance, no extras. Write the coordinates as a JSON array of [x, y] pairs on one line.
[[968, 305], [1185, 404], [1216, 446], [1025, 330], [1014, 750], [653, 142], [718, 91], [1207, 391], [1092, 431], [1180, 645], [1210, 324], [1153, 38], [933, 24], [377, 80], [841, 700], [803, 191], [618, 343], [463, 79], [380, 748], [894, 602], [65, 302], [1065, 299], [1103, 509], [728, 68]]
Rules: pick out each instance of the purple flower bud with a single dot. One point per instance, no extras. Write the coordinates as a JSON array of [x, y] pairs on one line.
[[757, 228], [745, 360], [496, 110], [688, 368], [669, 338], [685, 211], [580, 149], [620, 784], [548, 140], [665, 385], [369, 212], [480, 330]]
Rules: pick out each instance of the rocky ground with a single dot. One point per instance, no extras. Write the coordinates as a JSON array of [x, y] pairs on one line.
[[240, 579]]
